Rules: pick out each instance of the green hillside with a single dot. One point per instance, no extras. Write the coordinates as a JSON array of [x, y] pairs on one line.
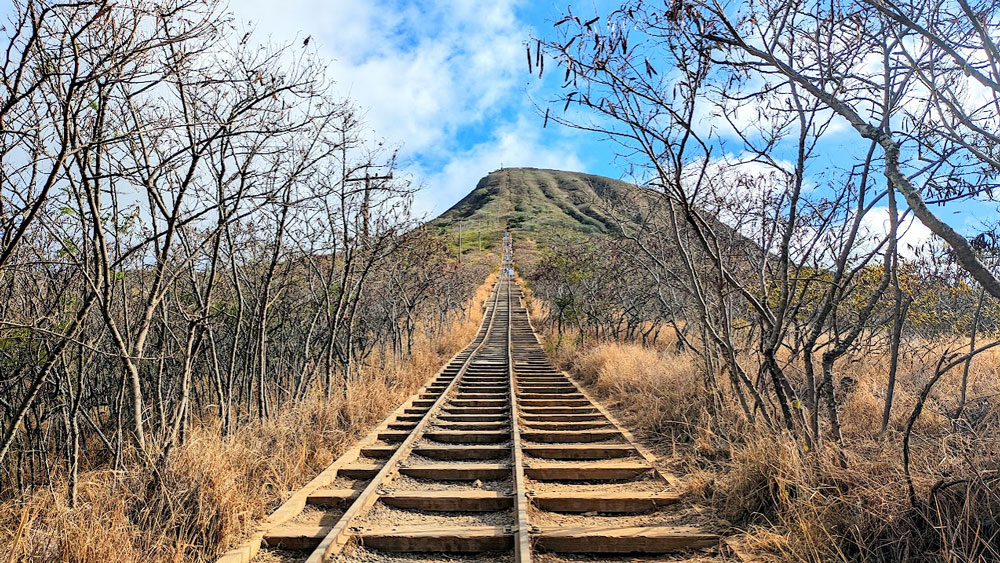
[[537, 202]]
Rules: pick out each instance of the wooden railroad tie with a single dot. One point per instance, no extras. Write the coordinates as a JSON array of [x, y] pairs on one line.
[[496, 431]]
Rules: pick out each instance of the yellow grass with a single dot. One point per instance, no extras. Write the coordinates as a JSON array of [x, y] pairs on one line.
[[789, 504], [666, 384]]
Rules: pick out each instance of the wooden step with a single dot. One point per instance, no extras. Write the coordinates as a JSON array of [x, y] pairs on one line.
[[538, 376], [548, 381], [489, 426], [438, 501], [564, 425], [554, 403], [645, 539], [563, 417], [477, 402], [529, 380], [473, 437], [457, 472], [474, 410], [459, 453], [333, 498], [579, 451], [596, 501], [378, 452], [473, 417], [481, 396], [569, 436], [558, 410], [296, 536], [393, 436], [531, 397], [610, 471], [473, 539], [358, 471]]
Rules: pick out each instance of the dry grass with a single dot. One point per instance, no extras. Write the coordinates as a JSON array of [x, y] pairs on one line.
[[210, 491], [789, 504], [667, 384]]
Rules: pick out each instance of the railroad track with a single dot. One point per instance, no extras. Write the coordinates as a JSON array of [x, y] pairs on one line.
[[499, 457]]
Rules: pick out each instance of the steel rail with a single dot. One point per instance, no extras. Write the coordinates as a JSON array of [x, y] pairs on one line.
[[630, 438], [334, 542], [522, 540], [245, 551]]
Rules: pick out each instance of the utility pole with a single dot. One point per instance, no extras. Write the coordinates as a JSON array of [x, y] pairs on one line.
[[365, 205], [366, 198], [505, 186]]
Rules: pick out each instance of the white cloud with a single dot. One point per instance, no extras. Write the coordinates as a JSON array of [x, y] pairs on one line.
[[912, 234], [734, 184], [754, 117], [516, 144], [741, 192], [425, 72]]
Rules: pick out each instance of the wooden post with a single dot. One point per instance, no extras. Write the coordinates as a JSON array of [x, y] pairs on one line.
[[366, 199]]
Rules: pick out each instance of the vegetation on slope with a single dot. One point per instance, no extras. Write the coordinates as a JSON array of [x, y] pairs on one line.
[[214, 488], [785, 502], [536, 203]]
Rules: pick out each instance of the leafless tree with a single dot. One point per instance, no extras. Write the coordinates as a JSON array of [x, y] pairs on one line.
[[192, 225], [776, 251]]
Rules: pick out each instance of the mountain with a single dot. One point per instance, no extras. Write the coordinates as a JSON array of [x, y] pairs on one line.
[[536, 201], [536, 204]]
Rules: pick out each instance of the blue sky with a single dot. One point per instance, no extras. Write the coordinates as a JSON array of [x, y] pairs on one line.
[[445, 79]]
